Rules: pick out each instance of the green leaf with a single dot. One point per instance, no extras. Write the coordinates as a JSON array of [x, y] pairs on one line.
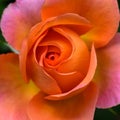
[[6, 48]]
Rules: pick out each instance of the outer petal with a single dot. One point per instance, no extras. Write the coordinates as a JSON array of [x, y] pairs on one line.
[[77, 23], [108, 74], [80, 107], [103, 14], [18, 18], [14, 93]]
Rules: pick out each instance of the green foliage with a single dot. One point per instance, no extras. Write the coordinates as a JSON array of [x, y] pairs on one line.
[[108, 114], [4, 47]]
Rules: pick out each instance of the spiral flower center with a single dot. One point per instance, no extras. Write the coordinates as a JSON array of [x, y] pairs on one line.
[[52, 56]]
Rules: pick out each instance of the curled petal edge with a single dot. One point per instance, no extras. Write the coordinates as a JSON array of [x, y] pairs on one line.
[[86, 81]]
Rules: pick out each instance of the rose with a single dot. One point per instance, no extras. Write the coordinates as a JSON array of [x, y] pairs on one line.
[[53, 51], [57, 51]]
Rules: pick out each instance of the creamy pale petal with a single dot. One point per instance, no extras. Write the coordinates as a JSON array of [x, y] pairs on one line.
[[103, 14], [80, 107], [18, 18], [14, 93], [108, 74]]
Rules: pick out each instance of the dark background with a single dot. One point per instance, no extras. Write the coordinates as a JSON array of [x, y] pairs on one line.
[[100, 114]]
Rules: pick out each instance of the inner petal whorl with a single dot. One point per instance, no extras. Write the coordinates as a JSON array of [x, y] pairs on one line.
[[52, 56], [53, 50]]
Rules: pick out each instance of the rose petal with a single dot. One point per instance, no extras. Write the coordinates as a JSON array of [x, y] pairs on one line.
[[66, 76], [82, 85], [36, 73], [66, 81], [74, 21], [40, 30], [58, 41], [23, 58], [18, 18], [43, 80], [79, 107], [14, 93], [80, 55], [103, 14], [108, 74]]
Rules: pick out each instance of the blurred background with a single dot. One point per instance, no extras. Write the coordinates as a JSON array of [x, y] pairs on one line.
[[100, 114]]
